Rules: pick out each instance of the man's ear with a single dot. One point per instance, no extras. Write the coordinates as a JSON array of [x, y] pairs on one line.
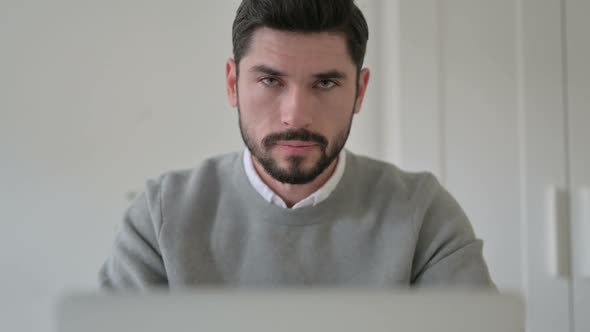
[[231, 81], [364, 76]]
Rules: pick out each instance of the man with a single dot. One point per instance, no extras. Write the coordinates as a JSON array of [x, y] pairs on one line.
[[295, 208]]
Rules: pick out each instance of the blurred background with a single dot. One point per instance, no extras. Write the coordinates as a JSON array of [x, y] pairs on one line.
[[491, 96]]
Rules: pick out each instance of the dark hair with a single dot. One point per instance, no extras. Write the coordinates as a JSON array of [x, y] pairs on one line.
[[306, 16]]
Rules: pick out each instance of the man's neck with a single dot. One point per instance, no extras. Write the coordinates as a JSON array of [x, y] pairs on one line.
[[293, 193]]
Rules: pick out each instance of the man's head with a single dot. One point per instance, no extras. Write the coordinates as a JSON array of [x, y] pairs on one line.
[[297, 80], [304, 16]]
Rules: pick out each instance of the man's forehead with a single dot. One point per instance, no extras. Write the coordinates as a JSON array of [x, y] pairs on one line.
[[312, 51]]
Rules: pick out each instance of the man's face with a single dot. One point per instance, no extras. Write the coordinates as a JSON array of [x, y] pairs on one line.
[[296, 95]]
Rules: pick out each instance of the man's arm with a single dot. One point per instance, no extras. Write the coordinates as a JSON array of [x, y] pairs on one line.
[[136, 261], [447, 252]]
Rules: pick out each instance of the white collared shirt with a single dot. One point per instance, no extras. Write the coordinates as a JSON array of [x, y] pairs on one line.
[[270, 196]]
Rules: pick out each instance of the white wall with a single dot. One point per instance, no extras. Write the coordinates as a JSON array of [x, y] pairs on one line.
[[96, 97]]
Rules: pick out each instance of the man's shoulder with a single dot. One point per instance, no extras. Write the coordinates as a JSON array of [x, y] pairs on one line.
[[387, 176], [207, 174], [218, 163]]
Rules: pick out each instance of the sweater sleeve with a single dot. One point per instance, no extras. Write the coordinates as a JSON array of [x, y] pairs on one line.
[[447, 252], [135, 261]]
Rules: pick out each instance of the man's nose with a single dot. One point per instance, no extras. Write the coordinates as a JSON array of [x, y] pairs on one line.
[[297, 108]]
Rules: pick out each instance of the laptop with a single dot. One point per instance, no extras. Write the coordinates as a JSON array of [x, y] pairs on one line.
[[291, 310]]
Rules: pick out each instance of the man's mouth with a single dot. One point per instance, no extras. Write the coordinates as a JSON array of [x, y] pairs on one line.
[[296, 144], [297, 147]]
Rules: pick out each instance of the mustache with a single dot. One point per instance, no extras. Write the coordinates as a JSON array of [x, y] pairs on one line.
[[295, 134]]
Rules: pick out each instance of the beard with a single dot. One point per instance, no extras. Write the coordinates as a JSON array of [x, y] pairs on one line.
[[295, 173]]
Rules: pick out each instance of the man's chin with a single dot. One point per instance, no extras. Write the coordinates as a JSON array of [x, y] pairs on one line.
[[297, 163], [295, 178], [292, 168]]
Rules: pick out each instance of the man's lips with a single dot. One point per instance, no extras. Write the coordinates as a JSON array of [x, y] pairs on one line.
[[297, 147], [296, 144]]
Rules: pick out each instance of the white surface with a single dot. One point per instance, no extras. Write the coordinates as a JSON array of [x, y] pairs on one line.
[[420, 88], [578, 102], [584, 226], [544, 160], [311, 311], [557, 220]]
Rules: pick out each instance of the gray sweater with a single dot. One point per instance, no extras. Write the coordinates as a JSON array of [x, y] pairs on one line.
[[380, 227]]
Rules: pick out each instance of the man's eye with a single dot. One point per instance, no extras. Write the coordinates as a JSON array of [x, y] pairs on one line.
[[326, 84], [269, 81]]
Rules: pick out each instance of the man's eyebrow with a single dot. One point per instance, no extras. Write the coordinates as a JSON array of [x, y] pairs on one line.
[[332, 74], [267, 70]]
